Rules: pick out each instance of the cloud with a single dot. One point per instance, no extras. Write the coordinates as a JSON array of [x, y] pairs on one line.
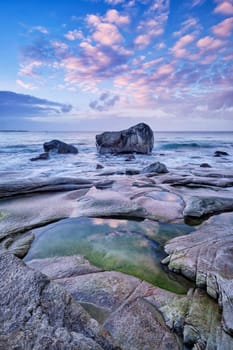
[[223, 28], [196, 3], [74, 35], [188, 25], [179, 50], [40, 29], [105, 102], [24, 85], [208, 43], [105, 28], [224, 8], [114, 2], [18, 105], [221, 100]]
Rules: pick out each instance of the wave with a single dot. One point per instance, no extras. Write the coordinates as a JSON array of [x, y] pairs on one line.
[[183, 145]]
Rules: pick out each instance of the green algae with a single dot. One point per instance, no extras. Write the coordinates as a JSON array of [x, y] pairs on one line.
[[132, 247]]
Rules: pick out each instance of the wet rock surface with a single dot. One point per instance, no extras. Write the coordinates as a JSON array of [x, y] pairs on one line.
[[137, 139], [206, 257]]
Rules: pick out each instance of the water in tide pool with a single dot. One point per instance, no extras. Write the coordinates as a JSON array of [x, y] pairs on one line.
[[133, 247], [182, 150]]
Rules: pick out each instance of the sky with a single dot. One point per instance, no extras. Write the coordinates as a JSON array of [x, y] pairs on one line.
[[109, 64]]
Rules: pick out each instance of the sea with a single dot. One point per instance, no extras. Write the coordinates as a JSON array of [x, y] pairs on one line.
[[180, 151]]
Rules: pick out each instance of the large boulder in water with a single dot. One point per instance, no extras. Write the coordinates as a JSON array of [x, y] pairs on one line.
[[59, 147], [138, 139]]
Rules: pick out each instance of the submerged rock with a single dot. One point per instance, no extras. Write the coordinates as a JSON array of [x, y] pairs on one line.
[[59, 147], [42, 156], [137, 139]]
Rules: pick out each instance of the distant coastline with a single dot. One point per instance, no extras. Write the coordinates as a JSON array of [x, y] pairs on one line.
[[14, 130]]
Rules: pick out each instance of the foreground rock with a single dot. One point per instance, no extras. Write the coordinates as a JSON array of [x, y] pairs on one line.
[[59, 147], [137, 314], [39, 314], [138, 139], [206, 258]]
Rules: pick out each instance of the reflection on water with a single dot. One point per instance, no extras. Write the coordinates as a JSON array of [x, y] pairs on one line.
[[132, 247]]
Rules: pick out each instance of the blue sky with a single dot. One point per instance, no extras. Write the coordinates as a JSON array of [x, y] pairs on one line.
[[108, 64]]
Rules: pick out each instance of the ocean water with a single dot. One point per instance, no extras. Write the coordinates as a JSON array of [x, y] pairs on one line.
[[178, 150]]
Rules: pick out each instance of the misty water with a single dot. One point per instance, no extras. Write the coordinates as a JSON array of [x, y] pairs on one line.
[[132, 247]]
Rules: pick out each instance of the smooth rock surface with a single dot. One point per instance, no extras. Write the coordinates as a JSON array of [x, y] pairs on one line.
[[108, 203], [138, 139]]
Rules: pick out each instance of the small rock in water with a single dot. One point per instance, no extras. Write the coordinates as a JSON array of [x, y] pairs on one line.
[[130, 158], [156, 167], [99, 166], [220, 153], [59, 147], [42, 156], [205, 165], [132, 172]]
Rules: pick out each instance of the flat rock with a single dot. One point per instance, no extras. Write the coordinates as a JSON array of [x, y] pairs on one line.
[[161, 205], [39, 314], [10, 187], [20, 214], [198, 206], [108, 203], [63, 267], [206, 258]]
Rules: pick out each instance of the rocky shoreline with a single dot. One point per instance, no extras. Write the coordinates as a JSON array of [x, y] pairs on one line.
[[67, 303]]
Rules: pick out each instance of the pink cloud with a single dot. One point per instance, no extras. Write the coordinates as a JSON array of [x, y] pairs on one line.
[[178, 49], [30, 69], [142, 40], [74, 35], [113, 16], [24, 85], [225, 8], [165, 69], [107, 34], [224, 28], [208, 43], [187, 25]]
